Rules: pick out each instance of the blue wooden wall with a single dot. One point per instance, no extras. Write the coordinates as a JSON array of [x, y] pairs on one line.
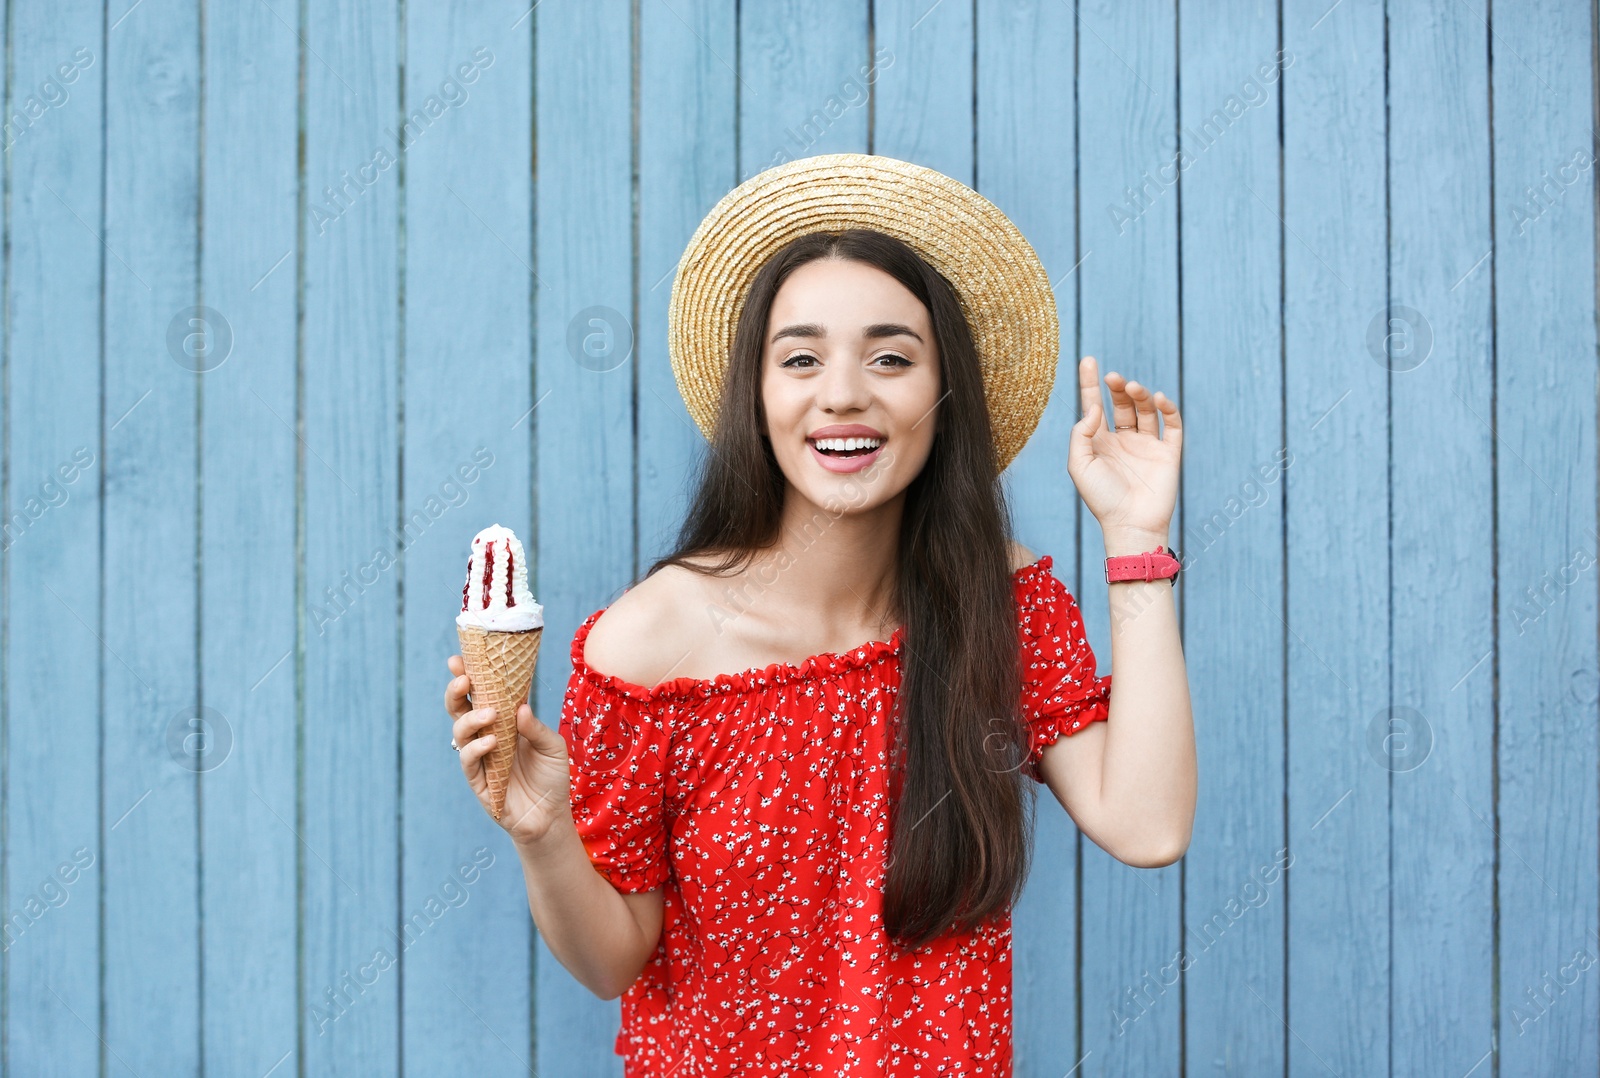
[[297, 298]]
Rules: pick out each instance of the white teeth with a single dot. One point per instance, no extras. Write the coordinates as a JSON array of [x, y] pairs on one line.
[[845, 444]]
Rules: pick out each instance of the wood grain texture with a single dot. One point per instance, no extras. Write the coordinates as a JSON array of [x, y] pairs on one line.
[[1337, 502], [797, 60], [151, 914], [300, 297], [249, 522], [349, 789], [1546, 743], [51, 848], [1231, 236], [922, 103], [1442, 524]]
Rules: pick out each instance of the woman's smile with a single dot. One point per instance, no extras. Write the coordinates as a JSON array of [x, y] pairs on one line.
[[845, 447], [847, 461]]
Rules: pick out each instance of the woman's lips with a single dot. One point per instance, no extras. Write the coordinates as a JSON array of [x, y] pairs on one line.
[[843, 464]]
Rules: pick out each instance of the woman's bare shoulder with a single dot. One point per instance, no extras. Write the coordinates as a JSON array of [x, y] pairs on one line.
[[1021, 556], [640, 635]]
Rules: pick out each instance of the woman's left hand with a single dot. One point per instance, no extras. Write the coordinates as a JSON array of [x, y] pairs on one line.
[[1127, 478]]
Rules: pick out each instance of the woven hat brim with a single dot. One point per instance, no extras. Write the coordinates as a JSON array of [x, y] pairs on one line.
[[1003, 288]]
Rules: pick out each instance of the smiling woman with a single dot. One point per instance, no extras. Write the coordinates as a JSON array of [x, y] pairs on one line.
[[816, 810], [854, 334], [879, 361], [853, 476]]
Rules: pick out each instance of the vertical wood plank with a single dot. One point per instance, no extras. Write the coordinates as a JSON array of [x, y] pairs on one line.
[[50, 841], [689, 87], [584, 111], [922, 106], [244, 340], [1128, 314], [1336, 393], [1026, 166], [1229, 235], [466, 934], [151, 961], [799, 66], [349, 460], [1545, 482], [1443, 468]]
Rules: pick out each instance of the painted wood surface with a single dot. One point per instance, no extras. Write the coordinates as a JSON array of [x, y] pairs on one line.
[[1332, 729], [298, 297]]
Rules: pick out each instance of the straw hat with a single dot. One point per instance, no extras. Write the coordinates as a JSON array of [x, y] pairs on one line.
[[1004, 290]]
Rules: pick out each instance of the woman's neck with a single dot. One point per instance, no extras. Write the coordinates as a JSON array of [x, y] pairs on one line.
[[835, 570]]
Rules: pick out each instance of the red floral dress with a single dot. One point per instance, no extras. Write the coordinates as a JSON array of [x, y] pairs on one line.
[[758, 801]]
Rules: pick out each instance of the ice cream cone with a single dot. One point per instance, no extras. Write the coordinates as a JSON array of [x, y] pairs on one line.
[[500, 666]]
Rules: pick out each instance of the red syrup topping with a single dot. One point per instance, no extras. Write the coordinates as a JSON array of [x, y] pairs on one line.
[[488, 573], [465, 584], [511, 569]]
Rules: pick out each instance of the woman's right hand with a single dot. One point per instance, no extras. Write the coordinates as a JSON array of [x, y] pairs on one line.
[[539, 791]]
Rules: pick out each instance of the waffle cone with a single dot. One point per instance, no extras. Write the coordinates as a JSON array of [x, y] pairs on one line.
[[500, 666]]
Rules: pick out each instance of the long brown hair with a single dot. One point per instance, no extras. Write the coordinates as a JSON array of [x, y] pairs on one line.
[[962, 810]]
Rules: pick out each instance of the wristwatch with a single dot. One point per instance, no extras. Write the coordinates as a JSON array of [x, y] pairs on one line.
[[1150, 565]]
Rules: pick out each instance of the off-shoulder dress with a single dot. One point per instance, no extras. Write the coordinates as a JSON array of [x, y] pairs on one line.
[[758, 802]]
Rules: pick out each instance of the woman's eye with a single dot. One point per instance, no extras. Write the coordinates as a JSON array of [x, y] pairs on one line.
[[794, 360]]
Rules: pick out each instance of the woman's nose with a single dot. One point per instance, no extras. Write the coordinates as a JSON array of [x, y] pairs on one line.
[[843, 387]]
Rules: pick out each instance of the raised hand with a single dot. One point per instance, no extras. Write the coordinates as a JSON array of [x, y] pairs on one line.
[[1129, 477]]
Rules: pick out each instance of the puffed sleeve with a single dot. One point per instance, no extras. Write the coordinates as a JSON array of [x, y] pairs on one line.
[[617, 742], [1060, 693]]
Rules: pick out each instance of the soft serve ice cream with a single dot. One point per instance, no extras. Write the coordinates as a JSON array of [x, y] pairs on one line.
[[500, 627], [496, 596]]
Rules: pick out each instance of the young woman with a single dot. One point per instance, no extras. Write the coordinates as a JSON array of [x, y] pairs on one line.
[[789, 805]]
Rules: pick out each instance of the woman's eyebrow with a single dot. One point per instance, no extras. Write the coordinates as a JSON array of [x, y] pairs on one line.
[[872, 332]]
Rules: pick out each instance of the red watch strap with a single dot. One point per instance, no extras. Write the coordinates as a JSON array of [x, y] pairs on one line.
[[1150, 565]]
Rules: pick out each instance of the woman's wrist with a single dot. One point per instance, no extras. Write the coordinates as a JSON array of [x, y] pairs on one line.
[[559, 833], [1121, 540]]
